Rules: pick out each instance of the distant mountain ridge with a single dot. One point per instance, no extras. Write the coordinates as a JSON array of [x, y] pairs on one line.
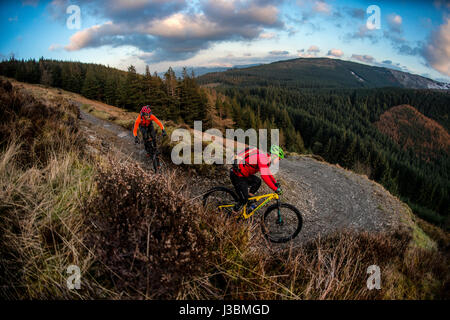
[[321, 73], [199, 71]]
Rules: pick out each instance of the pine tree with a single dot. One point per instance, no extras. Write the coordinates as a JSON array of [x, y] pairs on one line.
[[91, 85], [111, 90]]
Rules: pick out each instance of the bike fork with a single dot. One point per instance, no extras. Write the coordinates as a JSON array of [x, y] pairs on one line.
[[279, 221]]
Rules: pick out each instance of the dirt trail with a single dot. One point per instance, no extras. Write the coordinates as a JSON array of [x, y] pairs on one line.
[[102, 134], [329, 197], [332, 198]]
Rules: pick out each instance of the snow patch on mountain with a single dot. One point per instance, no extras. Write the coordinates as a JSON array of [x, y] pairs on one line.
[[356, 76]]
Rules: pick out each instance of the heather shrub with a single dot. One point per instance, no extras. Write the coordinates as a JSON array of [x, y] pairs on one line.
[[44, 176], [145, 231]]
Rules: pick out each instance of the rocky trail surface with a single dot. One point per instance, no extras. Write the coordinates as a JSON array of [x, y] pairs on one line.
[[332, 198]]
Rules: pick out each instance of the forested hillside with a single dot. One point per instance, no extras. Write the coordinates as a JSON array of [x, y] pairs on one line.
[[411, 129], [171, 98], [339, 125]]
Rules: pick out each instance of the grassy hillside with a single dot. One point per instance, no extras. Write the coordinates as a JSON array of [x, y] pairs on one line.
[[62, 205]]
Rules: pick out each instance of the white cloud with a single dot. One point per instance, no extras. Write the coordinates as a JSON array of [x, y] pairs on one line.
[[363, 33], [335, 53], [364, 58], [183, 33], [267, 35], [437, 50], [312, 52], [130, 5], [313, 49], [302, 54], [55, 47], [322, 7], [279, 52], [92, 37], [181, 25]]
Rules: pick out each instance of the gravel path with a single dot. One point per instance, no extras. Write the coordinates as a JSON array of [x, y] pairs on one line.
[[103, 135], [332, 198]]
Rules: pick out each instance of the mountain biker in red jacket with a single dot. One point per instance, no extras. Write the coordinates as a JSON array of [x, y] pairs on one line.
[[248, 163], [145, 124]]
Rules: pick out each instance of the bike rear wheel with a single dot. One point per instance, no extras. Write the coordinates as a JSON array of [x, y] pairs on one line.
[[220, 196], [162, 165], [154, 156], [158, 163], [281, 223]]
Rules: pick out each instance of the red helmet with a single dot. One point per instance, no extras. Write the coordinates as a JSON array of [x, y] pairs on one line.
[[146, 110]]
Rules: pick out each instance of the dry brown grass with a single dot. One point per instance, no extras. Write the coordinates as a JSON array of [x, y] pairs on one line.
[[41, 226], [40, 127], [333, 268], [43, 178]]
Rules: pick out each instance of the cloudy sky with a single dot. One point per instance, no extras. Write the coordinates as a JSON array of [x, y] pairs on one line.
[[413, 36]]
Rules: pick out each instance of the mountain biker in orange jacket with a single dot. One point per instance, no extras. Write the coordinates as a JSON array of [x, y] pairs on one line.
[[248, 163], [145, 123]]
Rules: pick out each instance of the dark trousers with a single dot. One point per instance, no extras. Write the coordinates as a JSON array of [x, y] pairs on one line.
[[148, 132], [242, 185]]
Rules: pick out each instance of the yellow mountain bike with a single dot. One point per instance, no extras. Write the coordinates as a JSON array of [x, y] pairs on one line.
[[280, 223]]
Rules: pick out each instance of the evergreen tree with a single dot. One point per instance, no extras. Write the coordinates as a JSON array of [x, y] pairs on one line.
[[91, 86]]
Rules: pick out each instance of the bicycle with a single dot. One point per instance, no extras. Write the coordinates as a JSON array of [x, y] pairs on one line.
[[150, 146], [280, 219]]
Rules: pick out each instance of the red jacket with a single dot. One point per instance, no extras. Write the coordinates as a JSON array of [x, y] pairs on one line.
[[251, 161]]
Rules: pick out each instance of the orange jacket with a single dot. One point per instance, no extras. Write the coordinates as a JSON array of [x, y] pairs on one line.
[[141, 121]]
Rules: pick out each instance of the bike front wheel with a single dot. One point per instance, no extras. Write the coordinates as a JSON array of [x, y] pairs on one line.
[[281, 223]]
